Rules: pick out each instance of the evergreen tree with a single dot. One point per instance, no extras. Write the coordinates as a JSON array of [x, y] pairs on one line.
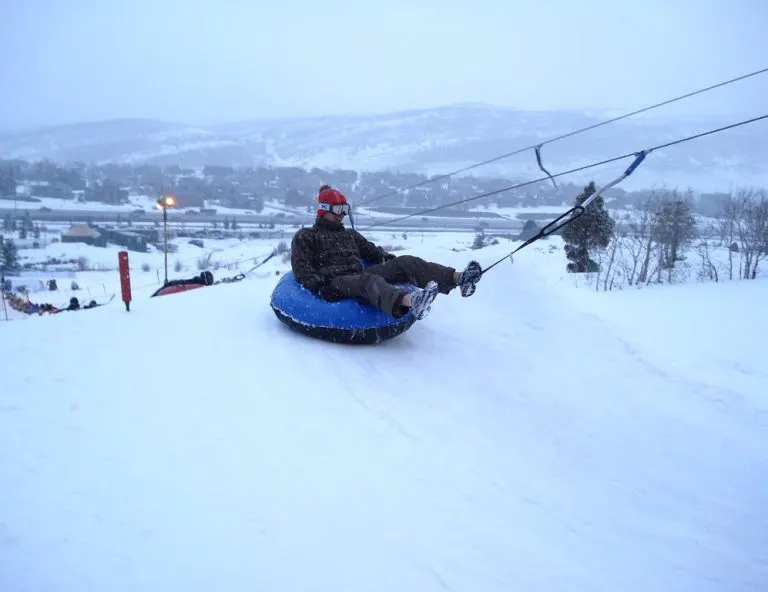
[[592, 230], [9, 256], [530, 228], [479, 241], [258, 204]]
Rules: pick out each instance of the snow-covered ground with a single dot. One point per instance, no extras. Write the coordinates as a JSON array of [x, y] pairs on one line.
[[94, 269], [704, 330], [537, 436]]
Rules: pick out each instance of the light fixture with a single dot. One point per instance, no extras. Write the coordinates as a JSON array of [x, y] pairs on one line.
[[165, 202]]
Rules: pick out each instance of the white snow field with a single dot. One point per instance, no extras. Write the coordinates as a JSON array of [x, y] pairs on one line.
[[534, 437]]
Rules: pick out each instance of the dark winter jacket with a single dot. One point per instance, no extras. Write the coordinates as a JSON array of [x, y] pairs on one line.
[[329, 249]]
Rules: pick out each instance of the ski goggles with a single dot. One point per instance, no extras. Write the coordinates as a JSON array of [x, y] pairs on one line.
[[338, 209]]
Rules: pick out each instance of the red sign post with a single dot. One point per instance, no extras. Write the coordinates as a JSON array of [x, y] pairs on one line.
[[125, 278]]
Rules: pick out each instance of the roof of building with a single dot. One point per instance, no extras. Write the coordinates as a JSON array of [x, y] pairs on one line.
[[82, 231]]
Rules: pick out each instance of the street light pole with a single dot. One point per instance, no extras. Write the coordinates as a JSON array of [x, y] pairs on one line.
[[165, 202], [165, 241]]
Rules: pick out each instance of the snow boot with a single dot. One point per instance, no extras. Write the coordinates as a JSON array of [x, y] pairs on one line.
[[469, 278], [421, 300]]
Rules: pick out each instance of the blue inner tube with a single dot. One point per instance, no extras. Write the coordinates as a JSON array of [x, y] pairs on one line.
[[345, 321]]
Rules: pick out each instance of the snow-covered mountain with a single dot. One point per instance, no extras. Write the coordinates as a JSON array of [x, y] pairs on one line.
[[430, 141]]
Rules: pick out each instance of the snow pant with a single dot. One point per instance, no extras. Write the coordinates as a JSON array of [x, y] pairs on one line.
[[374, 285]]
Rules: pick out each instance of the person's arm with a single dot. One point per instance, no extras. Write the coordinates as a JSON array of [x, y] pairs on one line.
[[369, 251], [302, 262]]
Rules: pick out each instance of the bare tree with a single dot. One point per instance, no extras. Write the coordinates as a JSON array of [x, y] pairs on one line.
[[753, 232], [727, 226], [645, 229], [612, 251], [675, 227], [653, 241], [664, 227], [743, 229], [632, 250], [708, 269]]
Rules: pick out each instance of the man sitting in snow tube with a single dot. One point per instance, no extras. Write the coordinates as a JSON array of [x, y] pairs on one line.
[[329, 260]]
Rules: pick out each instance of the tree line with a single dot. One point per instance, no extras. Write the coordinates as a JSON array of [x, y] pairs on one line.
[[661, 239], [249, 187]]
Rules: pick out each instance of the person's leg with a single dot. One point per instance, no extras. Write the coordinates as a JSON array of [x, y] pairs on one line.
[[372, 288], [376, 290], [416, 270], [408, 268]]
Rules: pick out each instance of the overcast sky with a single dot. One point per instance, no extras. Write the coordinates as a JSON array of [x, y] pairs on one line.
[[204, 61]]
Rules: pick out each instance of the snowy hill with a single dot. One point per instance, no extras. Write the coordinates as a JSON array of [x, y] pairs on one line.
[[427, 140], [536, 436]]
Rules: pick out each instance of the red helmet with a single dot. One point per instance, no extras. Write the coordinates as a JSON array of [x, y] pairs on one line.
[[332, 200]]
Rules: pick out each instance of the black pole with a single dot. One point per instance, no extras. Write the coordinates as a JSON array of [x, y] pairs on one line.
[[165, 233]]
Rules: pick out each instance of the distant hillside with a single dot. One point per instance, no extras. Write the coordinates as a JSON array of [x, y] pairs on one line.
[[427, 141]]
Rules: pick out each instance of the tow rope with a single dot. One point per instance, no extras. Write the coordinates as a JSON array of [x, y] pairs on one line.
[[576, 211], [241, 275]]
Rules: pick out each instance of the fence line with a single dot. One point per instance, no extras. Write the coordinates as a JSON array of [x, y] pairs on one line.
[[98, 289]]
